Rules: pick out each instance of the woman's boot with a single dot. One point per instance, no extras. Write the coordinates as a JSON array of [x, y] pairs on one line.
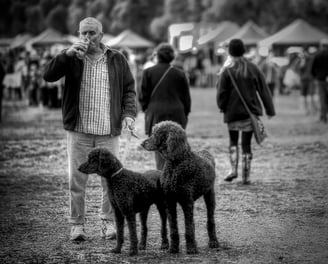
[[246, 167], [233, 154]]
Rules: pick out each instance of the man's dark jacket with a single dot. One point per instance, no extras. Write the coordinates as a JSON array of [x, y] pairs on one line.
[[121, 83]]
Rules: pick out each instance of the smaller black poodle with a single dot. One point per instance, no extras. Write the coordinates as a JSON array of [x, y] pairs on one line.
[[187, 175], [129, 193]]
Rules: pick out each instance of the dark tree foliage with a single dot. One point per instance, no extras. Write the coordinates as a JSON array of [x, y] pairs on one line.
[[55, 18], [34, 20], [151, 18], [19, 18], [5, 18]]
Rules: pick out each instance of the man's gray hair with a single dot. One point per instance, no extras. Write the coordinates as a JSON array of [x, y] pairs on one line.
[[93, 21]]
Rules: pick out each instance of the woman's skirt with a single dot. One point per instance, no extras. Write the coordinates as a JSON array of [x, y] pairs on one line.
[[241, 125]]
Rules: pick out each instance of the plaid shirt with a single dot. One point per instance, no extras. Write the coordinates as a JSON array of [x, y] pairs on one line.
[[94, 103]]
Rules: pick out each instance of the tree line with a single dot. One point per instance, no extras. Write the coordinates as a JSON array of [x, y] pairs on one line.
[[151, 18]]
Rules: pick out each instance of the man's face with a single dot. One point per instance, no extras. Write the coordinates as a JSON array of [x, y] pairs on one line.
[[90, 31]]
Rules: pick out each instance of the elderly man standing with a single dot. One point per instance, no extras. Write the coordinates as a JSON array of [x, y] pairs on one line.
[[99, 99]]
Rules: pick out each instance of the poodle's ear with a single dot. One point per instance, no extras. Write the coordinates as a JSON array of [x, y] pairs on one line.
[[101, 160], [104, 160], [107, 161], [176, 143]]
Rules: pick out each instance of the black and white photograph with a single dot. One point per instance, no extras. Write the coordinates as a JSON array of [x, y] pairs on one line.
[[168, 131]]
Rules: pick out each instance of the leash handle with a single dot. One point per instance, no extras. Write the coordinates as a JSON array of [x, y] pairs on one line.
[[132, 132], [126, 147], [129, 134]]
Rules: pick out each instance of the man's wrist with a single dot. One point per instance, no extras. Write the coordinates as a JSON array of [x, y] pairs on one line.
[[68, 53]]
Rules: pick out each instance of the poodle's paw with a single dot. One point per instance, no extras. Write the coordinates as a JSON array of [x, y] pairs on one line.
[[192, 250], [142, 246], [116, 250], [213, 244], [174, 250], [133, 252], [165, 244]]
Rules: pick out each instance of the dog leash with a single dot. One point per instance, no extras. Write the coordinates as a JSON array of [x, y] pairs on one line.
[[130, 133], [117, 172]]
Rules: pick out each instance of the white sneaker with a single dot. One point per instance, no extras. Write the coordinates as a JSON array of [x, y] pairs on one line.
[[107, 230], [77, 233]]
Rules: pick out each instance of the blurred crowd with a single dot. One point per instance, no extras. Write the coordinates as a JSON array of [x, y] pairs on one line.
[[284, 75], [23, 79]]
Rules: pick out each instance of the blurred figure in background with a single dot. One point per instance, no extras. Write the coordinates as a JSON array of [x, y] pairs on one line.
[[19, 74], [178, 62], [270, 71], [250, 82], [2, 76], [150, 61], [292, 79], [307, 84], [33, 88], [319, 71], [170, 100]]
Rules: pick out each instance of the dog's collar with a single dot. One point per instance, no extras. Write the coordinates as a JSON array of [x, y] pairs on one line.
[[116, 173]]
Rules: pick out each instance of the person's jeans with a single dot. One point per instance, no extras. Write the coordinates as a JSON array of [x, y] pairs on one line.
[[78, 147], [323, 98]]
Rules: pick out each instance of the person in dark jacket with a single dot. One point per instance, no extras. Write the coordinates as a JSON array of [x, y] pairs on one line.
[[98, 99], [171, 100], [319, 71], [250, 81], [2, 76]]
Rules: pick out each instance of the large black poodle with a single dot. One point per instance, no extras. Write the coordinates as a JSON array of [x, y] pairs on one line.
[[187, 175], [129, 193]]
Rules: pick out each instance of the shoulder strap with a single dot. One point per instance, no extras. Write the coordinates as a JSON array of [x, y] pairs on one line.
[[237, 89], [160, 80]]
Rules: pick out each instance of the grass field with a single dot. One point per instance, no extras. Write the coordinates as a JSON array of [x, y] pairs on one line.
[[282, 217]]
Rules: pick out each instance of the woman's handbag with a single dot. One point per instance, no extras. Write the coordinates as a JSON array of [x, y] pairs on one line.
[[258, 126], [259, 130]]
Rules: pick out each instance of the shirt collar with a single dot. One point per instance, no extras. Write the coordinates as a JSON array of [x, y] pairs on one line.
[[104, 47]]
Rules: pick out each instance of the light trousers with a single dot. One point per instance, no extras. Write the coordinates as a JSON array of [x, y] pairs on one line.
[[78, 147]]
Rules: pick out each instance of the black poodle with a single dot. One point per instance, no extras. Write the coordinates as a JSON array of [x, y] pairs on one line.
[[187, 175], [129, 193]]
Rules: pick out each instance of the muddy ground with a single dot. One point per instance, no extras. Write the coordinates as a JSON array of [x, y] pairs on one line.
[[282, 217]]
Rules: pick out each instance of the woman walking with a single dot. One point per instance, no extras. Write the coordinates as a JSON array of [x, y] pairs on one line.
[[251, 83], [165, 93]]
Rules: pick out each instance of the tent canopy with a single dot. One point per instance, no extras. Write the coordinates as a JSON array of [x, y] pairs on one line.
[[298, 33], [223, 31], [20, 40], [107, 37], [50, 37], [129, 39], [250, 33], [5, 42]]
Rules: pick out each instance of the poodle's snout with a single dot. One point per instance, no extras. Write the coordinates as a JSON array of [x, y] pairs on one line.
[[87, 168], [148, 145], [83, 167], [144, 144]]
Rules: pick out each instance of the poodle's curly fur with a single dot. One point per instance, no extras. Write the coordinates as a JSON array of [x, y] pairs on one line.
[[129, 193], [187, 176]]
